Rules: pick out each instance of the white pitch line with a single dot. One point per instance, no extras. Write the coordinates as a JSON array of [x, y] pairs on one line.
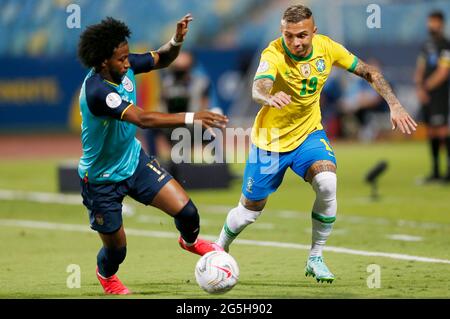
[[128, 209], [160, 234], [52, 198], [403, 237]]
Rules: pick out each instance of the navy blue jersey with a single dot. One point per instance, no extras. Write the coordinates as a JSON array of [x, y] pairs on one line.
[[433, 54]]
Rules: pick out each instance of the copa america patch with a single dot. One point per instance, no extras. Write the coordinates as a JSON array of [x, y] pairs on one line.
[[263, 67], [127, 84], [113, 100]]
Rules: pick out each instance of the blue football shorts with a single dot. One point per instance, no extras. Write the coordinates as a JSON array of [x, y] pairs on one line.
[[264, 170]]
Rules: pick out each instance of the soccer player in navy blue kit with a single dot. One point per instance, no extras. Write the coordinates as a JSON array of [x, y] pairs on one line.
[[432, 80], [113, 164]]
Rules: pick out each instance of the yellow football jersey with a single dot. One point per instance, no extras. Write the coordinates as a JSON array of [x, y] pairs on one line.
[[303, 79]]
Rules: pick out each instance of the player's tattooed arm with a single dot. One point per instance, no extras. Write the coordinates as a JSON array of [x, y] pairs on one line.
[[399, 116], [261, 94], [166, 54]]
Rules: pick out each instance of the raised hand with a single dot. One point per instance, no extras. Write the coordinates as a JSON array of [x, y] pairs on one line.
[[182, 27]]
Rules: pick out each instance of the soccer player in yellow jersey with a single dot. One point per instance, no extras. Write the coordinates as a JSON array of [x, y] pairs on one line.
[[291, 74]]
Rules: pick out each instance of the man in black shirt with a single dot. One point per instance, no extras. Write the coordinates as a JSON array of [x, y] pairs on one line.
[[432, 85]]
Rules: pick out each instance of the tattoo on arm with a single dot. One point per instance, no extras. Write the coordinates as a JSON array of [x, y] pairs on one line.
[[167, 54], [377, 81], [261, 90]]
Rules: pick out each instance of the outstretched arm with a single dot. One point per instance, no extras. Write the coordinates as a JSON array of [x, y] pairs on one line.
[[399, 116], [144, 119], [166, 54], [261, 94]]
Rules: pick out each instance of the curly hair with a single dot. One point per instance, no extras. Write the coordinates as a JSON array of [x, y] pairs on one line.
[[98, 41]]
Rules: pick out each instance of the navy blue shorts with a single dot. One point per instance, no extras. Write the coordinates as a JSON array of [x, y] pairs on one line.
[[104, 201]]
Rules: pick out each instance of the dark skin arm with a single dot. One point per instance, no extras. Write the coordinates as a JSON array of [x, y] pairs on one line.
[[166, 54], [144, 119], [399, 116], [422, 94], [437, 78]]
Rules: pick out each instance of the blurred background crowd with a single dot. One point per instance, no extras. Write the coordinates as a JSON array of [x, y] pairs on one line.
[[40, 75]]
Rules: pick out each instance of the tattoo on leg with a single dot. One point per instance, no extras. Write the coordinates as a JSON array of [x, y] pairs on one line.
[[319, 167], [253, 205]]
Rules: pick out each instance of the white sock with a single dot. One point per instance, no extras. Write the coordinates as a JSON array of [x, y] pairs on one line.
[[238, 218], [324, 210]]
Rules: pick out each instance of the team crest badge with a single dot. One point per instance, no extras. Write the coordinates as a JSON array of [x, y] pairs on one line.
[[305, 69], [320, 65], [99, 219], [127, 84]]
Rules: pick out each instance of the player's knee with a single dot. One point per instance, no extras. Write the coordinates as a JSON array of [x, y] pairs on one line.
[[116, 255], [252, 204], [187, 222], [325, 184], [242, 216], [188, 214]]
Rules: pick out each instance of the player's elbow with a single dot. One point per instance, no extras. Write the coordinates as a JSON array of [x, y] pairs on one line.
[[141, 120], [443, 73], [372, 74], [256, 96], [164, 60]]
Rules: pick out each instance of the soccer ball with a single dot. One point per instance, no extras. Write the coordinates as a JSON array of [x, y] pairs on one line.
[[217, 272]]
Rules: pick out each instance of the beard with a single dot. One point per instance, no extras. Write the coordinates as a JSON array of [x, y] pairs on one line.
[[435, 34], [117, 76]]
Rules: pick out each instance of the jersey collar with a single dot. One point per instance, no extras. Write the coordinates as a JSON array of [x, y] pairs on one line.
[[295, 57], [111, 83]]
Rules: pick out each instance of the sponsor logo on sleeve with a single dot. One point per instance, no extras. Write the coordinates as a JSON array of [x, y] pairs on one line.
[[263, 67]]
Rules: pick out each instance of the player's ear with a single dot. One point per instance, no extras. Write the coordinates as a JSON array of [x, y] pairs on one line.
[[282, 25], [315, 30], [104, 64]]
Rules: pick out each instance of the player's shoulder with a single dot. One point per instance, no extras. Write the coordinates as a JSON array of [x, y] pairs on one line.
[[274, 48], [96, 87], [323, 41]]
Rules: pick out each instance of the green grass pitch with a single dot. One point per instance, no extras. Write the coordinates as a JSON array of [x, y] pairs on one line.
[[35, 256]]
